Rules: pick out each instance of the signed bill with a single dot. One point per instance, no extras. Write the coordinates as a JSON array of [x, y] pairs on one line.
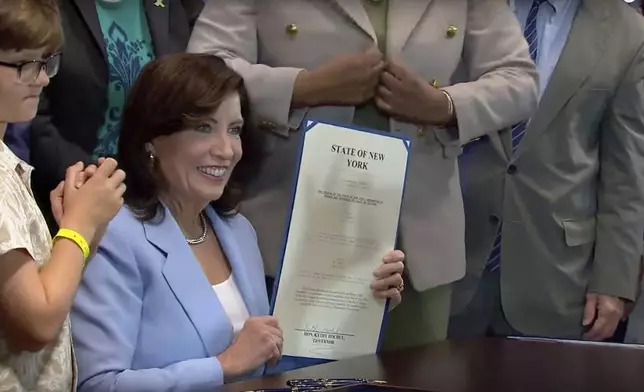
[[345, 211]]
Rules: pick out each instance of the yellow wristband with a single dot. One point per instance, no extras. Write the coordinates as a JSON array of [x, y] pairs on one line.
[[76, 238]]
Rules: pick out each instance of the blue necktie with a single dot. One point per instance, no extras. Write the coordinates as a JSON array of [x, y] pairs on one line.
[[518, 131], [531, 35]]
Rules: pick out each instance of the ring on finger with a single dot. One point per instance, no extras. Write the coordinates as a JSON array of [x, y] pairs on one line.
[[401, 287]]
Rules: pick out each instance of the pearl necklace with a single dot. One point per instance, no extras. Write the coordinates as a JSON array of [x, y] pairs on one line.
[[204, 234]]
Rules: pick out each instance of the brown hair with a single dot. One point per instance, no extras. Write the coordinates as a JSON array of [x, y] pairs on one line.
[[168, 95], [30, 24]]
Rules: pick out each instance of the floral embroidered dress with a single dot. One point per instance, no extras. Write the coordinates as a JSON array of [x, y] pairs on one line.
[[22, 226], [128, 46]]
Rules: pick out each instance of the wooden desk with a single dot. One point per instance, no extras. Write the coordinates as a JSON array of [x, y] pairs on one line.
[[495, 365]]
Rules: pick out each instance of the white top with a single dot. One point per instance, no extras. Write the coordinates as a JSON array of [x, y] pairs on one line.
[[233, 303]]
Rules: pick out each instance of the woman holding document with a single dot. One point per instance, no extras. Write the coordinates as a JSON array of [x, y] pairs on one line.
[[175, 299], [441, 72]]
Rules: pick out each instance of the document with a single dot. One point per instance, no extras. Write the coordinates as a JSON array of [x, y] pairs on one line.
[[344, 218]]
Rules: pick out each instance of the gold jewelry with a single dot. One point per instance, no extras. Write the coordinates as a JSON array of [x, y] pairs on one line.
[[450, 103], [401, 287]]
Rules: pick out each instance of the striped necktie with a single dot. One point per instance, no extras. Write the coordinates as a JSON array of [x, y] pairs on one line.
[[518, 131], [531, 35]]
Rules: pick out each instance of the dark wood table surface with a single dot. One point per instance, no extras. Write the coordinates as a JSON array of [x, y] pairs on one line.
[[497, 365]]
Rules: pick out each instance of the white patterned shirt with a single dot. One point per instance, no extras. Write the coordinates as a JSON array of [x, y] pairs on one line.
[[22, 226]]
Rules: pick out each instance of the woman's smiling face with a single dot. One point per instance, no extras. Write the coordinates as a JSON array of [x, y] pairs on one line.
[[196, 164]]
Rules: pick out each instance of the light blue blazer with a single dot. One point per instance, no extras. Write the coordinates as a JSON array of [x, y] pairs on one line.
[[146, 318]]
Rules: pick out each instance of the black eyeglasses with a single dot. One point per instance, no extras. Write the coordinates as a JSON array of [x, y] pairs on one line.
[[28, 71]]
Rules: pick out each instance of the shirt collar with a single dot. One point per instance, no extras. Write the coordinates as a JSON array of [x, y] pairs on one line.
[[22, 168], [558, 5]]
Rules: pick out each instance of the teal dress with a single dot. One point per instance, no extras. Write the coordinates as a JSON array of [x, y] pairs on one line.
[[128, 46]]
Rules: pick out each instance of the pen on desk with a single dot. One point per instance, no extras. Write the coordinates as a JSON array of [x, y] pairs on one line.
[[308, 382], [292, 389], [309, 385]]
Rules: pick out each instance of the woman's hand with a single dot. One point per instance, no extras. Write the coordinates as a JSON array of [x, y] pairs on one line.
[[388, 282], [405, 96], [259, 342], [349, 79]]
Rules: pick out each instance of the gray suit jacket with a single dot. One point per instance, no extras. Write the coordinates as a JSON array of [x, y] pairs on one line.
[[488, 50], [571, 198]]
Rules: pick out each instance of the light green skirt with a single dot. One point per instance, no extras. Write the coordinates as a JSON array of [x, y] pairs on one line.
[[421, 318]]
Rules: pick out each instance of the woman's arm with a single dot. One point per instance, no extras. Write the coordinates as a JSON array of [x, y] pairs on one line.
[[282, 95], [106, 318], [228, 29], [502, 90]]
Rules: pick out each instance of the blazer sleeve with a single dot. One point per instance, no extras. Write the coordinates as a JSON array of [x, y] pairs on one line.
[[50, 153], [620, 211], [228, 29], [502, 87], [105, 326]]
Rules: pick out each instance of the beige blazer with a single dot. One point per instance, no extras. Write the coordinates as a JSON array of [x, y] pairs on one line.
[[571, 198], [488, 49]]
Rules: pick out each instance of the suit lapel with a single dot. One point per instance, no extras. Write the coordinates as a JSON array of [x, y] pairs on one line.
[[87, 10], [158, 20], [584, 48], [187, 281], [354, 11], [402, 18], [228, 241]]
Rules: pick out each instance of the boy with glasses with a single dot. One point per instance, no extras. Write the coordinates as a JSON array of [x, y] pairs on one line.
[[39, 276]]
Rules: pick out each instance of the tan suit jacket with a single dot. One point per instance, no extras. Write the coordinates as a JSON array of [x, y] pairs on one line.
[[488, 49], [571, 198]]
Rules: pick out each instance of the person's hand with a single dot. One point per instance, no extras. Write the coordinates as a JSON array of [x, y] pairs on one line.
[[89, 172], [90, 205], [56, 196], [604, 313], [346, 80], [83, 177], [388, 280], [56, 200], [405, 96], [259, 342]]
